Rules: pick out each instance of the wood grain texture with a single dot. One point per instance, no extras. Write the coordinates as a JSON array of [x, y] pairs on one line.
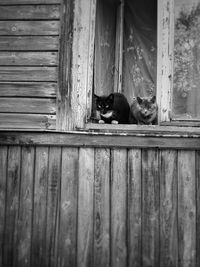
[[102, 208], [29, 27], [100, 140], [27, 105], [25, 207], [3, 174], [28, 89], [82, 61], [64, 92], [119, 181], [186, 208], [150, 208], [197, 167], [168, 208], [69, 201], [53, 206], [33, 12], [85, 208], [10, 241], [30, 43], [28, 58], [27, 121], [24, 2], [134, 208], [39, 227], [9, 74]]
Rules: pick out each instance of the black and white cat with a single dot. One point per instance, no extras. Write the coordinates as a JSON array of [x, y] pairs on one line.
[[143, 110], [113, 108]]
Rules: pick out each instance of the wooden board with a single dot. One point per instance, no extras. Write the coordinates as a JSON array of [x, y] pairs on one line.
[[24, 2], [28, 74], [186, 208], [119, 181], [29, 58], [85, 207], [29, 27], [102, 208], [32, 12], [134, 208], [27, 121], [39, 209], [197, 167], [150, 208], [27, 105], [68, 205], [28, 89], [28, 43], [10, 241], [53, 206], [25, 207], [3, 172], [168, 208]]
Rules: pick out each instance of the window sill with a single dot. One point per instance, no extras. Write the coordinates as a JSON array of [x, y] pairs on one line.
[[144, 130]]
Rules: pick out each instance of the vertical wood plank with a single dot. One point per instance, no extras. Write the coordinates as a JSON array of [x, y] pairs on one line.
[[82, 61], [168, 208], [186, 208], [12, 205], [198, 207], [85, 208], [102, 208], [25, 207], [40, 207], [3, 178], [65, 64], [165, 58], [53, 205], [68, 215], [150, 208], [119, 181], [134, 208]]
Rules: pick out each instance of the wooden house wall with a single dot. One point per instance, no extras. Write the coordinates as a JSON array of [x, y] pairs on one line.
[[81, 206], [29, 43]]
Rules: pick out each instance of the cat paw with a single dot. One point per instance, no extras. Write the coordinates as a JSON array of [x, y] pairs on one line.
[[101, 121], [114, 122]]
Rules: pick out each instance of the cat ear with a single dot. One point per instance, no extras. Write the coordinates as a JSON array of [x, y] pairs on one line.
[[139, 99], [96, 97], [153, 99], [111, 97]]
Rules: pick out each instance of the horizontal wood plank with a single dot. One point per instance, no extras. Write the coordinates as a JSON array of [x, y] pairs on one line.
[[30, 12], [28, 89], [27, 121], [27, 105], [28, 74], [84, 139], [29, 43], [29, 27], [28, 58], [24, 2]]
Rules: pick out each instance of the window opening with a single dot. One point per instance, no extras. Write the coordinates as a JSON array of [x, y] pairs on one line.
[[186, 80]]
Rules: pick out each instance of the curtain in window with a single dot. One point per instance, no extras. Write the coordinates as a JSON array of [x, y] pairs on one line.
[[186, 85], [140, 48]]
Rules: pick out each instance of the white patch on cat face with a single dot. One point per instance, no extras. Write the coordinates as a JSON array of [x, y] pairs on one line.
[[107, 115]]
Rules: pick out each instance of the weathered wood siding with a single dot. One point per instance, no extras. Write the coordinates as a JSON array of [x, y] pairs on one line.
[[76, 206], [29, 44]]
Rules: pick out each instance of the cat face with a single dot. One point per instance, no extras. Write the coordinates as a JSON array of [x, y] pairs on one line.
[[104, 104], [147, 106]]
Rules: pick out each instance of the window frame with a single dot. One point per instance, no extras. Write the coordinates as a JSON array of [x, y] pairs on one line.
[[81, 90]]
